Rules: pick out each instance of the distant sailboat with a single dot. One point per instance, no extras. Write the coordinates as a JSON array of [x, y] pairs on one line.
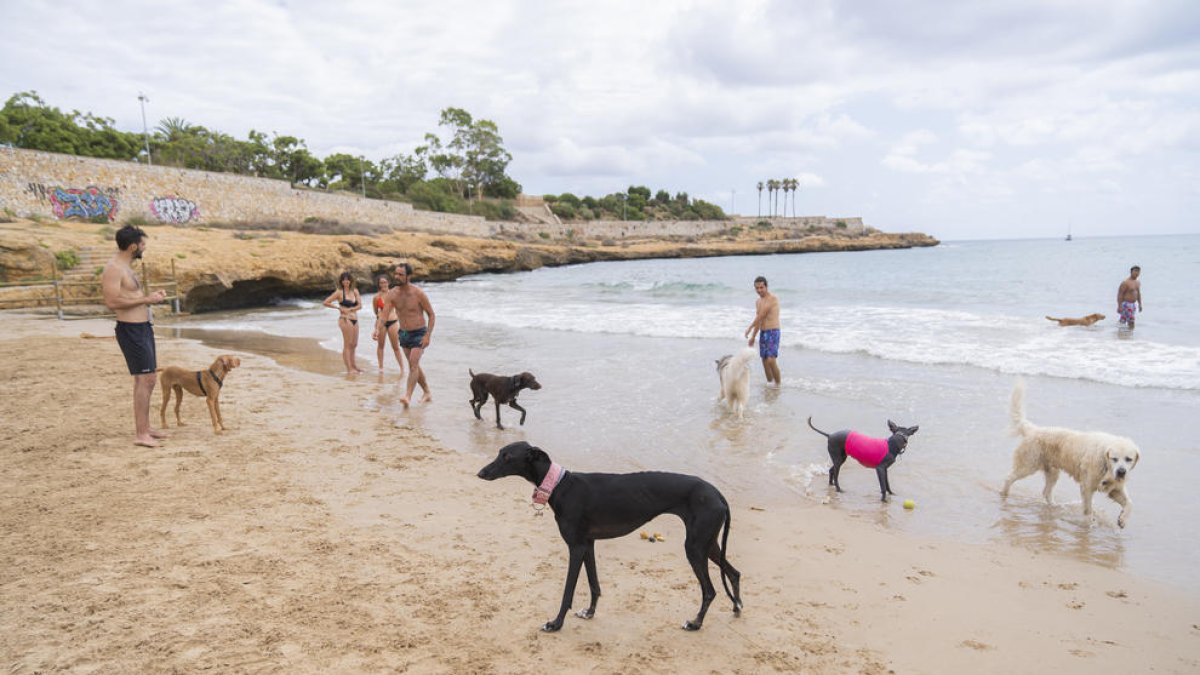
[[1068, 232]]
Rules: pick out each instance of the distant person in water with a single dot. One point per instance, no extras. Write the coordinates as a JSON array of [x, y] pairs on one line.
[[416, 317], [391, 325], [766, 327], [346, 300], [1129, 296], [123, 293]]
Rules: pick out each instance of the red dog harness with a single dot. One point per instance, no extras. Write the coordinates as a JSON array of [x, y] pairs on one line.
[[867, 450]]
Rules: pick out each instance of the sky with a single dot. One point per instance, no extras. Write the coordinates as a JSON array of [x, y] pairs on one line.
[[964, 120]]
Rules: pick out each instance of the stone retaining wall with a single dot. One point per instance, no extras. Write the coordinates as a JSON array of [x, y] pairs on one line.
[[49, 186]]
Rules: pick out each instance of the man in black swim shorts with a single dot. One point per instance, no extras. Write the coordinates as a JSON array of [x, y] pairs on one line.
[[124, 295], [416, 317], [411, 339]]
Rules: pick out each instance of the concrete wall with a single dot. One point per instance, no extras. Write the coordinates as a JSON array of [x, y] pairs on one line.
[[48, 185]]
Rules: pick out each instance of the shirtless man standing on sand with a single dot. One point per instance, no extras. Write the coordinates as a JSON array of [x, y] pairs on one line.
[[135, 334], [1129, 296], [412, 307], [766, 326]]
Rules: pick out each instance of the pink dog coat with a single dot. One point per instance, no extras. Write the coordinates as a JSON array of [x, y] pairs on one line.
[[868, 451]]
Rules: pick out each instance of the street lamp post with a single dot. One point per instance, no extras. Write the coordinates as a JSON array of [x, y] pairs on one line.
[[143, 100]]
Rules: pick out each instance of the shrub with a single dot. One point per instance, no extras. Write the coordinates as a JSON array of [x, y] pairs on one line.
[[137, 220], [66, 259], [181, 256], [563, 210], [9, 215], [735, 230], [763, 224], [107, 232], [99, 219], [841, 224], [570, 234], [544, 235], [494, 209]]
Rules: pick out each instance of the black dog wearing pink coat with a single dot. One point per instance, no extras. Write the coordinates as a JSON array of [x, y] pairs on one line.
[[873, 453]]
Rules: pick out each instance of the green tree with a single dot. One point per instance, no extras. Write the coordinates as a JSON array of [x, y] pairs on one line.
[[295, 162], [27, 122], [474, 157], [347, 172], [403, 171]]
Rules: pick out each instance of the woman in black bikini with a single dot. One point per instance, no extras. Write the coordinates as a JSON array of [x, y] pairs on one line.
[[393, 325], [347, 306]]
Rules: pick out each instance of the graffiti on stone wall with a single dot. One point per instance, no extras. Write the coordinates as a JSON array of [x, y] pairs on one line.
[[87, 203], [175, 210]]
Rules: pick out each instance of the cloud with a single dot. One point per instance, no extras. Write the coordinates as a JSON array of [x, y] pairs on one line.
[[907, 109]]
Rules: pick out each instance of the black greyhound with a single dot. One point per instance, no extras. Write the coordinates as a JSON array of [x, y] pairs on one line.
[[876, 453], [591, 506]]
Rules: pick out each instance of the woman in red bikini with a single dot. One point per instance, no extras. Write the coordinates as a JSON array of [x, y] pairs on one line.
[[391, 323]]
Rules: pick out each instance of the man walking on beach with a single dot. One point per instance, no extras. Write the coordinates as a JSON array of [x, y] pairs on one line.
[[123, 294], [1129, 296], [766, 326], [412, 307]]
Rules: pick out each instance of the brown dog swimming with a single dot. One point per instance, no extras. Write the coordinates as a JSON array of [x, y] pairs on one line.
[[1083, 321], [206, 383]]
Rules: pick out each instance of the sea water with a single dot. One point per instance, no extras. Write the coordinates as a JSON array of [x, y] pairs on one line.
[[938, 336]]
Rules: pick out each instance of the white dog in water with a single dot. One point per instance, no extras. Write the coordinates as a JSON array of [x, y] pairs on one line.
[[1099, 462], [734, 370]]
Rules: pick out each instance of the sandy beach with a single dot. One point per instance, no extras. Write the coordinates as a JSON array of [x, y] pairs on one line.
[[316, 536]]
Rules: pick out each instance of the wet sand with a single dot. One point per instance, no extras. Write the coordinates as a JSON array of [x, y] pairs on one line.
[[316, 535]]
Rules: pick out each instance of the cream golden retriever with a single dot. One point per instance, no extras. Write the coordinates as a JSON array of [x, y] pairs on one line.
[[1099, 462], [734, 371]]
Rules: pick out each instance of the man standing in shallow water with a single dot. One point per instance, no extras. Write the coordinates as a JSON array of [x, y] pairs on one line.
[[122, 293], [766, 326], [412, 307], [1129, 296]]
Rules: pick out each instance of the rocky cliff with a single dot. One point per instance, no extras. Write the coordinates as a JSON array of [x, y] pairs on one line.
[[222, 269]]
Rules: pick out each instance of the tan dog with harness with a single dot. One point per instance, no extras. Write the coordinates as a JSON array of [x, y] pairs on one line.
[[206, 383]]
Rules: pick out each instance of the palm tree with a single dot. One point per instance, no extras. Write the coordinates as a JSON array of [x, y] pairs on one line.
[[174, 129], [775, 189], [795, 187], [760, 187]]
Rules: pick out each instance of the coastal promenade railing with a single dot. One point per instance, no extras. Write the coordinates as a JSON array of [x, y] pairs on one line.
[[65, 294]]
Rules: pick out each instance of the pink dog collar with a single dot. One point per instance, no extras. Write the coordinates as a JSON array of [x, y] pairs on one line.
[[541, 494]]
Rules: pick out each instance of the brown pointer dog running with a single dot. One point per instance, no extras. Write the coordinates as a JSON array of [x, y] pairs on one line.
[[591, 506], [206, 383], [503, 389], [1085, 321]]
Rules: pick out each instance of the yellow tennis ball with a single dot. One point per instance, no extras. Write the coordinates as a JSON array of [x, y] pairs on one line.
[[910, 504], [644, 535]]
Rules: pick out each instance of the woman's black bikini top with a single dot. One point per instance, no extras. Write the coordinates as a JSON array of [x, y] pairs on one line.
[[347, 303]]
